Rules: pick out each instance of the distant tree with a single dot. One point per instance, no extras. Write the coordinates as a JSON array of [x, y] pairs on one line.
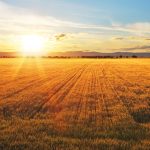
[[134, 56]]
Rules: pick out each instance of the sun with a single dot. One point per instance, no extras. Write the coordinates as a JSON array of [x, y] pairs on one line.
[[32, 45]]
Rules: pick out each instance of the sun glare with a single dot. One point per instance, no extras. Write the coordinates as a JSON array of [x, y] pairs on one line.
[[32, 45]]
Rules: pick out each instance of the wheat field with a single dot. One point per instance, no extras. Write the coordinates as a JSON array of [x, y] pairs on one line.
[[74, 103]]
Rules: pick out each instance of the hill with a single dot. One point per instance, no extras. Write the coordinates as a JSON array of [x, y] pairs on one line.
[[83, 53]]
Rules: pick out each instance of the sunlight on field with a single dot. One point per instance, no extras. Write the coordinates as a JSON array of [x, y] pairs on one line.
[[99, 103]]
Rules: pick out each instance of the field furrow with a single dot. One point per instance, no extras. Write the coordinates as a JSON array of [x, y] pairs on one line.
[[77, 99]]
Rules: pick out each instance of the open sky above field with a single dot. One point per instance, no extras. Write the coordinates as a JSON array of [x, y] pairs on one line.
[[75, 25]]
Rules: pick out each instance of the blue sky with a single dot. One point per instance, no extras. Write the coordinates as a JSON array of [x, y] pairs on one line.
[[106, 25], [93, 11]]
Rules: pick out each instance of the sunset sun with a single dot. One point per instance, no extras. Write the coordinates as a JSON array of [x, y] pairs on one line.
[[32, 45]]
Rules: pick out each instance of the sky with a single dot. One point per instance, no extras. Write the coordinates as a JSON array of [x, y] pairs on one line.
[[77, 25]]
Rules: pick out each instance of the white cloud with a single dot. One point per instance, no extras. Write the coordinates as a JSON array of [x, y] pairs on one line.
[[141, 26]]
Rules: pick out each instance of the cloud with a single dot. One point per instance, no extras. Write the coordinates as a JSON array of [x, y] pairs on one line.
[[132, 38], [15, 19], [147, 39], [136, 28], [144, 47], [60, 36], [119, 38], [140, 26]]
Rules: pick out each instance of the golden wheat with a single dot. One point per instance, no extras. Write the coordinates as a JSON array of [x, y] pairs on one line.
[[105, 102]]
